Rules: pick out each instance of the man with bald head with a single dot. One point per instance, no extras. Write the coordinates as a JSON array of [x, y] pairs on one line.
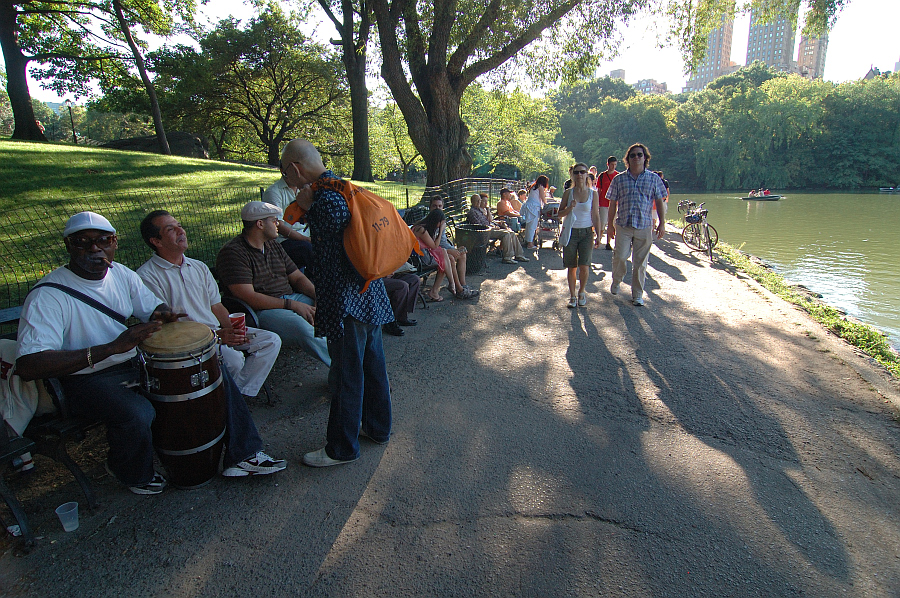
[[349, 319]]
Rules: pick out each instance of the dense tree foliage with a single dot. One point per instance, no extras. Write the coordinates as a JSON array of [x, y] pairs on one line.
[[71, 43], [251, 88], [753, 128]]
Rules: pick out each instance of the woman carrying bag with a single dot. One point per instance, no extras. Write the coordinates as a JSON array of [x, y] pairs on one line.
[[580, 205]]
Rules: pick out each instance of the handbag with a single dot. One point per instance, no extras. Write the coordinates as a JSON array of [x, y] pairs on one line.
[[566, 231]]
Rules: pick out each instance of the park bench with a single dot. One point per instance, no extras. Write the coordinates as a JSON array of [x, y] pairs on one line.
[[46, 435]]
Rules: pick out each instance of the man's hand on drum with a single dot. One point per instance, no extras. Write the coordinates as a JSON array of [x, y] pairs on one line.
[[134, 336], [163, 313], [307, 312], [230, 337]]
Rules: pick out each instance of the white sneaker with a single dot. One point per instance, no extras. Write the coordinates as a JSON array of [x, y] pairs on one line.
[[258, 464], [582, 299], [320, 458], [638, 302], [614, 288], [573, 301]]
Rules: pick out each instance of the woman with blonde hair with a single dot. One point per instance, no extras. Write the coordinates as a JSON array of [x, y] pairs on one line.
[[582, 206]]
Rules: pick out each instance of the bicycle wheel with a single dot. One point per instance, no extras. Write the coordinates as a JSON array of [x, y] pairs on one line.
[[690, 234], [713, 236]]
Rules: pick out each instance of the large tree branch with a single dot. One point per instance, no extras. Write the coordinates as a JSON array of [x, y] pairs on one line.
[[444, 17], [530, 34], [482, 27]]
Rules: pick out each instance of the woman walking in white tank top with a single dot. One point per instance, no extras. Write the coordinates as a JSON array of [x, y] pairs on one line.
[[581, 200]]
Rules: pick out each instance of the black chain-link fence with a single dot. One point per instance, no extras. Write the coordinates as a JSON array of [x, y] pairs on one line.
[[31, 243]]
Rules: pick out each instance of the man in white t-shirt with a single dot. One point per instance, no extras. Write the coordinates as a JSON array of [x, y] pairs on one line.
[[189, 286], [293, 238], [91, 350]]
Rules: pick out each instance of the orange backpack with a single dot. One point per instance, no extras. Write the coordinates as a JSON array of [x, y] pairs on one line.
[[377, 241]]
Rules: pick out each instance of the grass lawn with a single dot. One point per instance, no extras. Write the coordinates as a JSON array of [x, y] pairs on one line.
[[36, 173]]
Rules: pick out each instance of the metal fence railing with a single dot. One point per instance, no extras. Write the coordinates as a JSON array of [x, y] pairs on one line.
[[31, 242]]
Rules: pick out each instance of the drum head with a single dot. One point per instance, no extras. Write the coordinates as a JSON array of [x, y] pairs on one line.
[[179, 337]]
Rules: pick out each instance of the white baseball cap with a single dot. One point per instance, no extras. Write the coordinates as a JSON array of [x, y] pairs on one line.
[[87, 221]]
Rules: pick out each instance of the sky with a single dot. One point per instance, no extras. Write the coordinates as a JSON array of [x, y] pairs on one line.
[[865, 35]]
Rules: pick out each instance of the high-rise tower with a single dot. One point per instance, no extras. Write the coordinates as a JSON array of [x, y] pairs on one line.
[[811, 56], [772, 43], [718, 57]]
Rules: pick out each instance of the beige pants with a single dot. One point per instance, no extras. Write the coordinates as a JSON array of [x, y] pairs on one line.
[[509, 243], [636, 242]]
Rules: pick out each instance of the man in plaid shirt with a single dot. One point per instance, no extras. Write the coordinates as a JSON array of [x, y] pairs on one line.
[[631, 196]]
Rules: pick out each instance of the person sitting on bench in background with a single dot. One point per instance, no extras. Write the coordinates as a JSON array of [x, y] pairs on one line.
[[293, 238], [188, 284], [92, 352], [480, 214]]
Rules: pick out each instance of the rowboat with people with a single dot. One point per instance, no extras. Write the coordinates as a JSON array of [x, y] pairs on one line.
[[762, 195]]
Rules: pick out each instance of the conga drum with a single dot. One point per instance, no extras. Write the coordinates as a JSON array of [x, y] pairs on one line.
[[180, 375]]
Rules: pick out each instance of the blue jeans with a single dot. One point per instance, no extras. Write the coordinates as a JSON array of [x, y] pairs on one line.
[[363, 395], [294, 330], [128, 416]]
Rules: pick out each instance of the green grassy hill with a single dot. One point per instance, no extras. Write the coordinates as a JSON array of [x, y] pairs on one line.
[[33, 173]]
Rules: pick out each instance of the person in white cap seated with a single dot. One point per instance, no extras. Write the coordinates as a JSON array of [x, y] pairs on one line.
[[73, 328], [255, 269], [188, 285]]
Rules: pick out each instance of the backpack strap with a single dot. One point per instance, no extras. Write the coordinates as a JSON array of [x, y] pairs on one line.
[[85, 299]]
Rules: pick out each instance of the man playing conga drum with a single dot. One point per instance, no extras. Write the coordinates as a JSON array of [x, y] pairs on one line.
[[80, 337]]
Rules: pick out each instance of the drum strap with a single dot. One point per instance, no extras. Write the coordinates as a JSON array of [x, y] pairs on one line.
[[85, 299]]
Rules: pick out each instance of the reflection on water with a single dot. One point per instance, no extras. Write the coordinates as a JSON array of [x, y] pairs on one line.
[[839, 245]]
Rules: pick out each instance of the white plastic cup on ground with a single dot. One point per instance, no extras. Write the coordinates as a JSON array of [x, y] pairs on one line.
[[68, 516]]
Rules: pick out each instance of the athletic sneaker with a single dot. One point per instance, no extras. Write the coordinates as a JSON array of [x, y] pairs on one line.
[[614, 288], [154, 486], [638, 302], [573, 301], [522, 258], [259, 464], [582, 300]]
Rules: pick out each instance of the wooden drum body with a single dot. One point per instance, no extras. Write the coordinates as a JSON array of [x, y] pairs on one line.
[[180, 375]]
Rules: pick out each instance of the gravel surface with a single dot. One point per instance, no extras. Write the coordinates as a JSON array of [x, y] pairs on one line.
[[716, 442]]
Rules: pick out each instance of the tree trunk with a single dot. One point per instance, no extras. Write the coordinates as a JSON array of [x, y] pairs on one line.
[[359, 110], [447, 136], [16, 78], [148, 85]]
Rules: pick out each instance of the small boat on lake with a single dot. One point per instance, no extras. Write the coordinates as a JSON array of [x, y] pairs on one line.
[[763, 197]]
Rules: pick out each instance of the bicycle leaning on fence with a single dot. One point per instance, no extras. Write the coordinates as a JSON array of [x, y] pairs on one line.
[[697, 234]]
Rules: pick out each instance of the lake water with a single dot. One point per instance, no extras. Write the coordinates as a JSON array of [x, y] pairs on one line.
[[840, 245]]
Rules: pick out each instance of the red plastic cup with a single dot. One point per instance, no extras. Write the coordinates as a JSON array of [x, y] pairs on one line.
[[239, 322]]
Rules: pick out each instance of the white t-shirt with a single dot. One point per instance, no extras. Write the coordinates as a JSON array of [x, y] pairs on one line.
[[188, 288], [279, 194], [51, 320]]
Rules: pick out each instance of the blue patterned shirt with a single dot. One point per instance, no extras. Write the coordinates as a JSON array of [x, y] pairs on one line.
[[337, 282], [635, 197]]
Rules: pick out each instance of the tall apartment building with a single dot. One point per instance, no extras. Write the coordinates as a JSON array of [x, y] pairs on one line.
[[617, 74], [811, 56], [772, 43], [718, 57]]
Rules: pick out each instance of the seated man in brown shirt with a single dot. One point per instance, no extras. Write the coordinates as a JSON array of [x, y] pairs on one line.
[[254, 268]]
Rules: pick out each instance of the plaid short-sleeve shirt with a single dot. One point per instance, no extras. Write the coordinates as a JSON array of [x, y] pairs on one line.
[[635, 197]]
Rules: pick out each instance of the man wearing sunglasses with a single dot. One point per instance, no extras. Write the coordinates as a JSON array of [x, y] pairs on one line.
[[632, 196], [61, 336]]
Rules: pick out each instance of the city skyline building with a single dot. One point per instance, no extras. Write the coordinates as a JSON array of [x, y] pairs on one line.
[[718, 57], [811, 56], [617, 74], [772, 44], [651, 87]]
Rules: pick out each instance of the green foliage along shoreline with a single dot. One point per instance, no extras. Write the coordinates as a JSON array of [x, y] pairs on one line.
[[753, 128]]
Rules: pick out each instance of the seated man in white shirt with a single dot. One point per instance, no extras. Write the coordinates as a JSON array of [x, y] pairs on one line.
[[292, 237], [188, 283]]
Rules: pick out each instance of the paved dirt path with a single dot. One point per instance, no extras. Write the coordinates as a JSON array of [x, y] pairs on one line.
[[713, 443]]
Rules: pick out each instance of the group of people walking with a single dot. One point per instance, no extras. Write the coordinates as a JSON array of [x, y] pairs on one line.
[[624, 204]]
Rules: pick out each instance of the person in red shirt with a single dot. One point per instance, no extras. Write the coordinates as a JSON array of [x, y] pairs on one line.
[[603, 182]]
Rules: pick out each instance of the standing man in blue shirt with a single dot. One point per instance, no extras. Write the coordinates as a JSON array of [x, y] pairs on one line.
[[632, 196], [350, 320]]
